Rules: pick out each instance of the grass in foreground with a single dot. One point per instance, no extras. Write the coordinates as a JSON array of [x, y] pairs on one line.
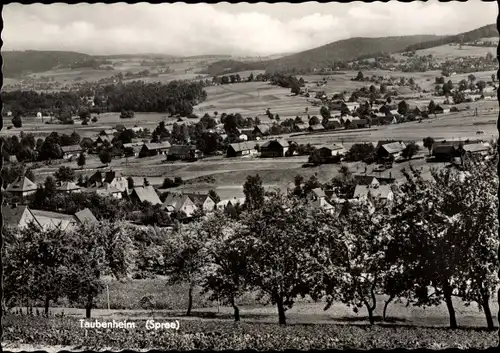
[[218, 335]]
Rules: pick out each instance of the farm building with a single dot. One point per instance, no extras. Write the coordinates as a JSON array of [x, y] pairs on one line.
[[300, 127], [330, 150], [180, 203], [22, 187], [102, 139], [228, 206], [390, 149], [438, 109], [357, 124], [17, 216], [153, 149], [68, 187], [446, 153], [203, 201], [261, 130], [274, 148], [241, 149], [477, 148], [246, 134], [183, 152], [317, 127], [135, 146], [48, 219], [71, 151], [333, 123], [143, 194], [109, 133]]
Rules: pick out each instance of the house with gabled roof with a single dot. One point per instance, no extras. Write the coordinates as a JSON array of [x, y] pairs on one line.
[[153, 149], [68, 187], [143, 194], [85, 216], [373, 193], [48, 219], [261, 130], [301, 127], [319, 199], [316, 128], [17, 217], [202, 200], [113, 179], [180, 203], [22, 187], [390, 149], [274, 148], [183, 152], [241, 149], [71, 151]]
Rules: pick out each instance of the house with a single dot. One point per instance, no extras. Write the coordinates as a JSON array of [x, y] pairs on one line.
[[446, 153], [71, 151], [17, 216], [331, 150], [228, 206], [316, 128], [438, 109], [300, 127], [22, 187], [274, 148], [95, 179], [333, 123], [101, 139], [135, 146], [319, 199], [109, 133], [115, 180], [183, 152], [477, 148], [143, 194], [372, 193], [358, 123], [153, 149], [390, 149], [85, 216], [241, 149], [180, 203], [68, 187], [246, 134], [261, 130], [352, 106], [48, 219], [109, 191], [203, 201]]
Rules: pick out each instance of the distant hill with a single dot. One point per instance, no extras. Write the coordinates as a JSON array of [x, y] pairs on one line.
[[476, 34], [16, 63], [324, 56]]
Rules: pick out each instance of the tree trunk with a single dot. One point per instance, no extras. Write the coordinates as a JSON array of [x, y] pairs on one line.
[[190, 302], [371, 318], [387, 302], [88, 307], [236, 311], [487, 311], [47, 302], [281, 311], [449, 305]]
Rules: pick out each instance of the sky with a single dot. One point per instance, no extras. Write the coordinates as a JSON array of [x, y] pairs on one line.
[[232, 29]]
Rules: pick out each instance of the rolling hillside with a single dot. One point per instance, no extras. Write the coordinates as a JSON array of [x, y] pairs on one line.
[[476, 34], [324, 56], [16, 63]]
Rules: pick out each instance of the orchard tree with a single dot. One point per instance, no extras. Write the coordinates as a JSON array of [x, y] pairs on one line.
[[254, 192], [105, 157], [186, 259], [410, 150], [280, 241], [64, 174], [325, 112], [17, 121], [429, 143]]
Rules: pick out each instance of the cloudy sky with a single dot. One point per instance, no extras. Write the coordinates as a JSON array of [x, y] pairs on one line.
[[237, 29]]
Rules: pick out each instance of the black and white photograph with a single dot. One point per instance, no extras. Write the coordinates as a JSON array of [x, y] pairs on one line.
[[250, 176]]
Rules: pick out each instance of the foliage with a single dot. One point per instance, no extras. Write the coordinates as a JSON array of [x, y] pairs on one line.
[[360, 152], [254, 192], [64, 174]]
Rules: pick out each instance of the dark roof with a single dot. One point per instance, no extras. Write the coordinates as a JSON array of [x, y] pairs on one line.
[[111, 175], [268, 143], [86, 215], [197, 197], [444, 149], [364, 179], [176, 150], [12, 214], [176, 201]]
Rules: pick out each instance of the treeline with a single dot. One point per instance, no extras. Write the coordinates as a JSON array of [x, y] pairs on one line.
[[176, 97]]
